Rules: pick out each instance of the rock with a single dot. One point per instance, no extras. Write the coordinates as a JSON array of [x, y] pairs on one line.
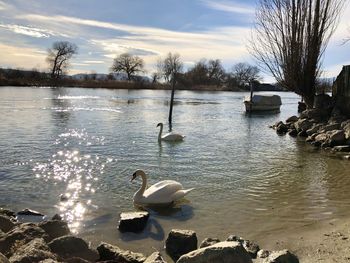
[[346, 127], [29, 212], [262, 253], [110, 252], [301, 106], [34, 251], [71, 246], [315, 114], [321, 138], [7, 212], [49, 261], [19, 236], [133, 221], [251, 247], [155, 258], [282, 128], [330, 127], [180, 242], [337, 138], [208, 242], [235, 238], [302, 134], [283, 256], [1, 233], [314, 129], [302, 125], [55, 228], [293, 133], [3, 259], [6, 224], [342, 148], [227, 251], [56, 217], [292, 119]]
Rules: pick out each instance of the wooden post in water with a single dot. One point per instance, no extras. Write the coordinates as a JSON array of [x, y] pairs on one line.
[[172, 100], [251, 96]]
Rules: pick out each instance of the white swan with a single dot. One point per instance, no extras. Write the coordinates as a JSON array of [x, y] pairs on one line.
[[170, 137], [161, 193]]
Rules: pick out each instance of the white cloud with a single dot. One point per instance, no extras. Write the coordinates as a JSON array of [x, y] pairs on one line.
[[230, 7], [3, 6], [29, 31], [93, 61]]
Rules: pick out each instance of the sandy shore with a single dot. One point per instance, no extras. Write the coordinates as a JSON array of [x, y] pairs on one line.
[[326, 241]]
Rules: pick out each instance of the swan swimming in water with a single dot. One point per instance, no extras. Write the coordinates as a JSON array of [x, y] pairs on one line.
[[170, 137], [161, 193]]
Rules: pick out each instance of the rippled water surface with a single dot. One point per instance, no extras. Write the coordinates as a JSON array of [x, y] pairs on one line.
[[84, 144]]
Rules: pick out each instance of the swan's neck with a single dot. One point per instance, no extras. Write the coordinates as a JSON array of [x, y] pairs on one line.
[[160, 133], [143, 186]]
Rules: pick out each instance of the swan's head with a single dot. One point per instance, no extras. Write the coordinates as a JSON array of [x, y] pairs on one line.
[[137, 173], [159, 124]]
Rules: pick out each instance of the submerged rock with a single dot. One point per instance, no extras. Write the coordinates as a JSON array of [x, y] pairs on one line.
[[71, 246], [114, 253], [133, 221], [29, 212], [227, 251], [208, 242], [180, 242], [56, 217], [34, 251]]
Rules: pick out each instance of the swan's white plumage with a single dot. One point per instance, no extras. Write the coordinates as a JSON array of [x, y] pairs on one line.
[[164, 192], [170, 137]]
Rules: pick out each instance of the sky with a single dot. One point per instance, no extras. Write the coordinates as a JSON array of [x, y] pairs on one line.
[[104, 29]]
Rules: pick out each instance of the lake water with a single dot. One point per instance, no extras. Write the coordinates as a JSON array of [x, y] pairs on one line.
[[86, 143]]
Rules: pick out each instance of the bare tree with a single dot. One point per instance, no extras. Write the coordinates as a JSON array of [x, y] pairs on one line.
[[129, 64], [170, 66], [290, 39], [59, 55], [216, 71], [244, 74]]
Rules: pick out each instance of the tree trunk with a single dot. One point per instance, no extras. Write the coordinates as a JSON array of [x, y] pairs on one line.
[[172, 100]]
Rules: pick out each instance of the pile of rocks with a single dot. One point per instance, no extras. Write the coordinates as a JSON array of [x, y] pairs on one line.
[[322, 126], [52, 242]]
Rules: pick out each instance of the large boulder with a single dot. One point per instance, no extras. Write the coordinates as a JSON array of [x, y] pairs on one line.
[[114, 253], [208, 242], [292, 119], [7, 212], [282, 128], [314, 129], [155, 258], [315, 114], [71, 246], [6, 224], [337, 137], [55, 228], [180, 242], [302, 125], [282, 256], [321, 138], [133, 221], [227, 251], [19, 236], [330, 127], [34, 251]]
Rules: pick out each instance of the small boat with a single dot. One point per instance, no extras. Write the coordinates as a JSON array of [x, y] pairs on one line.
[[262, 103]]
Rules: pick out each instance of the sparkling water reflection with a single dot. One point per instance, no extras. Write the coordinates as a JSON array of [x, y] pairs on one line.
[[72, 151]]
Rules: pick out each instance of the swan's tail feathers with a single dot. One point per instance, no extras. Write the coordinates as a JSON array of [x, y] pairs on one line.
[[181, 193]]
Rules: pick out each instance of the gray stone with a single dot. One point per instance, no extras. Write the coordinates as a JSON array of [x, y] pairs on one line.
[[133, 221], [180, 242], [292, 119], [155, 258], [293, 133], [235, 238], [6, 224], [251, 247], [19, 236], [321, 137], [208, 242], [55, 228], [346, 127], [34, 251], [49, 261], [282, 256], [315, 114], [71, 246], [110, 252], [3, 259], [227, 251], [330, 127], [302, 125], [282, 128], [262, 253], [29, 212], [56, 217], [314, 129]]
